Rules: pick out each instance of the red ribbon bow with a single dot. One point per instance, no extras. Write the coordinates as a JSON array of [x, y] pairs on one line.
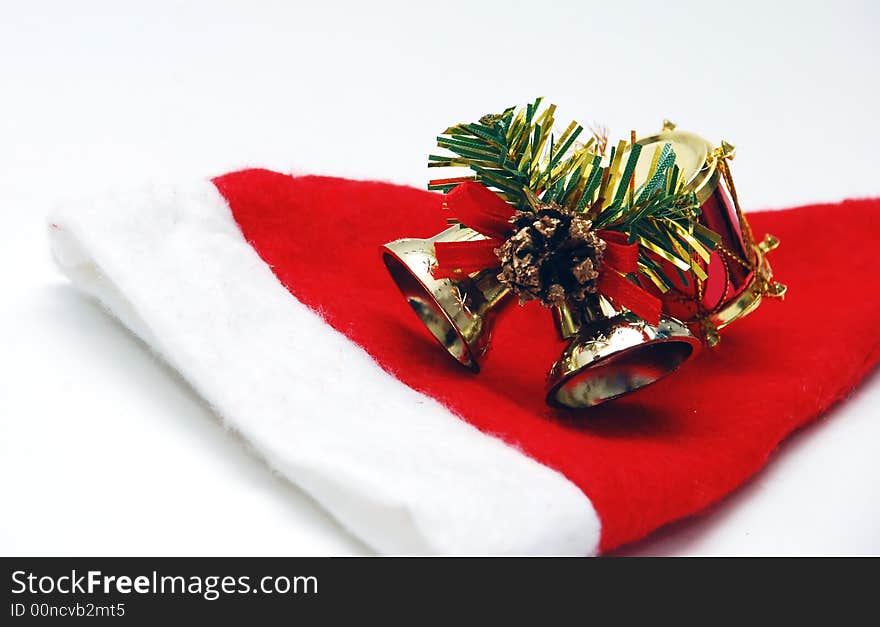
[[484, 211]]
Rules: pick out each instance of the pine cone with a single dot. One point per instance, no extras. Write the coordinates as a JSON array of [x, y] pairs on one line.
[[553, 255]]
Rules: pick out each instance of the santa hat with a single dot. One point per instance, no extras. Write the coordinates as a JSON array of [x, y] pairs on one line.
[[267, 293]]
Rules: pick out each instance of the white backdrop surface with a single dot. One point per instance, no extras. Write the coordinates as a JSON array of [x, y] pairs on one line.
[[103, 450]]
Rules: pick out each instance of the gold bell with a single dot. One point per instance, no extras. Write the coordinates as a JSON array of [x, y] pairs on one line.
[[612, 353], [458, 312]]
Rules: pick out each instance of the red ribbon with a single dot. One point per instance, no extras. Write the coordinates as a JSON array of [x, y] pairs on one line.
[[481, 209], [622, 258], [484, 211], [455, 259]]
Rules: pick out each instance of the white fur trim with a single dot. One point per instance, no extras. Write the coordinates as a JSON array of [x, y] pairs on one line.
[[392, 465]]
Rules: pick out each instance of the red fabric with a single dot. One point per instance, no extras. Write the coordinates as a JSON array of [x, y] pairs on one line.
[[655, 456]]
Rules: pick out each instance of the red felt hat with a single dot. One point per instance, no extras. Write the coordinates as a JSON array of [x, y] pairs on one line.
[[267, 293]]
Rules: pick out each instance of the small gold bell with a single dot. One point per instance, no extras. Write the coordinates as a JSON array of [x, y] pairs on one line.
[[613, 353], [459, 313]]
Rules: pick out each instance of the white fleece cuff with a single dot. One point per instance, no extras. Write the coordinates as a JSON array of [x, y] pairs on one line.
[[392, 465]]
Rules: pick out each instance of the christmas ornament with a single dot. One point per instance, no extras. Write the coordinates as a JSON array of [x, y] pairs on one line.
[[620, 246], [738, 274], [553, 254], [458, 313]]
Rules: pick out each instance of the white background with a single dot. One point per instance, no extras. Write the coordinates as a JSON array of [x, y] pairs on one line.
[[103, 450]]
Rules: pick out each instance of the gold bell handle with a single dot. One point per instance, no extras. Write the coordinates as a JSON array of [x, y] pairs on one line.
[[567, 323]]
